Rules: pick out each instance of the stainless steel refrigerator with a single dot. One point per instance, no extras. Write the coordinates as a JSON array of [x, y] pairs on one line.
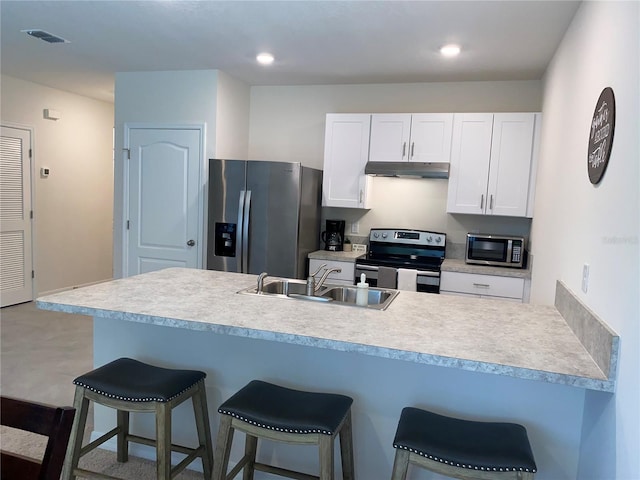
[[262, 216]]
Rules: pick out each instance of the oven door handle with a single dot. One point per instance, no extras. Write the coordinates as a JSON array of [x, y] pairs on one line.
[[420, 273], [371, 268], [428, 274]]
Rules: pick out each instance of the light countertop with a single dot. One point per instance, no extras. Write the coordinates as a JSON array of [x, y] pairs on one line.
[[336, 256], [492, 336], [458, 265]]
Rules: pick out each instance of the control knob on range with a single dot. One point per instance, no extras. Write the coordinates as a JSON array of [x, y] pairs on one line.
[[376, 234], [429, 239], [438, 239], [384, 235]]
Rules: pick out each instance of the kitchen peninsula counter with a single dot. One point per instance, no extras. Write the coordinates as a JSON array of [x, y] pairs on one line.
[[525, 341], [466, 357]]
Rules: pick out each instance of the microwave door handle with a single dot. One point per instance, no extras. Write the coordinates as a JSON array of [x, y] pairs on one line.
[[509, 251], [245, 233]]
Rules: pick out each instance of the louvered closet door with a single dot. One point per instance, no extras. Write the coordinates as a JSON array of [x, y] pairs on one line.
[[16, 285]]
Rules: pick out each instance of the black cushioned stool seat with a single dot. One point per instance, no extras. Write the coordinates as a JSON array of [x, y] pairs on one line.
[[264, 410], [461, 448], [132, 386]]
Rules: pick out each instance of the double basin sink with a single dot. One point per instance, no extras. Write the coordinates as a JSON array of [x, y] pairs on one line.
[[378, 298]]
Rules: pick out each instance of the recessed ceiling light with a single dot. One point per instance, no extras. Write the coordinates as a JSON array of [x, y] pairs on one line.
[[45, 36], [265, 58], [450, 50]]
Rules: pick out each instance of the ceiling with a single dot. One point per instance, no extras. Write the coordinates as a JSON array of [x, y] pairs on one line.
[[314, 42]]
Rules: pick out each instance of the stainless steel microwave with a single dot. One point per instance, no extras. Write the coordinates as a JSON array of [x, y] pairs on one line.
[[498, 250]]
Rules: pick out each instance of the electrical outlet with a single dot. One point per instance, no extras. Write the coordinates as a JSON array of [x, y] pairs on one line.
[[585, 278], [355, 227]]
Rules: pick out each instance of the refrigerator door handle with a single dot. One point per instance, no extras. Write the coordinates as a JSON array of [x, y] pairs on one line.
[[245, 232], [239, 231]]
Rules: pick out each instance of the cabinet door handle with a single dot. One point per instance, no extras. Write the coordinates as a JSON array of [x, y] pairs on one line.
[[481, 285], [404, 149], [413, 144], [361, 196], [491, 202], [482, 202]]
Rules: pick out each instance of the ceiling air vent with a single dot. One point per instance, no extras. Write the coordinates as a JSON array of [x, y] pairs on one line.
[[46, 36]]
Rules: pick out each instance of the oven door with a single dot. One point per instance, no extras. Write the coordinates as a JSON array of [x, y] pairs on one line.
[[426, 280]]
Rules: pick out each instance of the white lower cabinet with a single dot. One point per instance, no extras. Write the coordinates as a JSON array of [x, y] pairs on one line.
[[478, 285], [345, 277]]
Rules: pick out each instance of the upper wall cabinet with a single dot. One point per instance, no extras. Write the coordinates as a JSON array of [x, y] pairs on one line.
[[493, 164], [424, 137], [346, 151]]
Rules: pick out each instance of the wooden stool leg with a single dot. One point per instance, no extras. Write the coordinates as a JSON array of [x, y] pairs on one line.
[[326, 457], [346, 450], [200, 411], [250, 450], [223, 448], [123, 432], [400, 465], [163, 441], [81, 404]]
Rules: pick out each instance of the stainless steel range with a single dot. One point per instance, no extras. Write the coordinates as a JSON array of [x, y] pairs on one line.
[[397, 255]]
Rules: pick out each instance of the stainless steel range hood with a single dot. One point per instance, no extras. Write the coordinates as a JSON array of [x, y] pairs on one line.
[[407, 169]]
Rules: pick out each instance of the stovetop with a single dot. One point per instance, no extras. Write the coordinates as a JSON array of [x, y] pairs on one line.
[[405, 248]]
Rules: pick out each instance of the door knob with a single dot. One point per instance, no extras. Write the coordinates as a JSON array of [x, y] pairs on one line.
[[191, 243]]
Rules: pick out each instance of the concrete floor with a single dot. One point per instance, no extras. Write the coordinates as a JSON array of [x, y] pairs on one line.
[[41, 352]]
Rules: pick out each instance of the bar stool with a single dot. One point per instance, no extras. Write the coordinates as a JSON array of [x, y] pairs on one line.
[[128, 385], [461, 449], [264, 410]]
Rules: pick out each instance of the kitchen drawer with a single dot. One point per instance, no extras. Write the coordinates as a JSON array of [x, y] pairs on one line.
[[484, 285], [346, 275]]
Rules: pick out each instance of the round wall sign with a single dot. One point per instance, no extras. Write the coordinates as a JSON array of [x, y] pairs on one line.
[[601, 135]]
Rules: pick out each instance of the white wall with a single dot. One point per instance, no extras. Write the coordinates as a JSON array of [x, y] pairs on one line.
[[232, 118], [172, 97], [576, 223], [287, 124], [73, 209]]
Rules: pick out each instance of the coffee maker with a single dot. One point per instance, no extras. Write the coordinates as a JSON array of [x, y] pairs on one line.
[[333, 236]]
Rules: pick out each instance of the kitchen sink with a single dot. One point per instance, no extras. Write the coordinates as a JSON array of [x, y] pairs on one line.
[[285, 287], [378, 298]]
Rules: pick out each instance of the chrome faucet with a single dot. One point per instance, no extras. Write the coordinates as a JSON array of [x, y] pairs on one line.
[[313, 286], [261, 278], [318, 270]]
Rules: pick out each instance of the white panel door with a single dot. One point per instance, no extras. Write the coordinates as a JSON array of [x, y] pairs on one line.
[[470, 156], [390, 137], [16, 284], [164, 199], [346, 150], [511, 154], [431, 137]]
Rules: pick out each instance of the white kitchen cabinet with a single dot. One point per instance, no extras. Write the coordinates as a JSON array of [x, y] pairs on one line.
[[346, 151], [345, 277], [493, 162], [400, 137], [483, 286]]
